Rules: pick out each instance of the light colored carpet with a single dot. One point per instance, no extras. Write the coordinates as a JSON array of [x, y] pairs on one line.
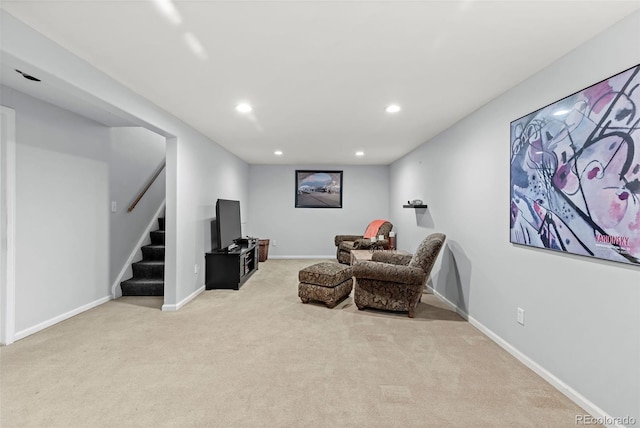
[[258, 357]]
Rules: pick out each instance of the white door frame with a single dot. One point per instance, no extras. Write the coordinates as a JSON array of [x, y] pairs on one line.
[[7, 225]]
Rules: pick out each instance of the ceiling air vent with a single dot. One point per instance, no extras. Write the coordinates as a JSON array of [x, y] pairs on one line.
[[28, 76]]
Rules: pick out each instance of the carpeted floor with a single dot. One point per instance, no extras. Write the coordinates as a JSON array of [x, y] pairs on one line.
[[258, 357]]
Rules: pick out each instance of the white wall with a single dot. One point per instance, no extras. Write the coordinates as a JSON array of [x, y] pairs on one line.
[[300, 232], [62, 223], [135, 155], [198, 170], [582, 322]]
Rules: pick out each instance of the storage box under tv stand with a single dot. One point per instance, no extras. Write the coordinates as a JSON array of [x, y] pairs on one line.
[[230, 269]]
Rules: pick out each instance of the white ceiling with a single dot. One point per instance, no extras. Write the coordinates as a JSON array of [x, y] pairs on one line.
[[56, 91], [320, 73]]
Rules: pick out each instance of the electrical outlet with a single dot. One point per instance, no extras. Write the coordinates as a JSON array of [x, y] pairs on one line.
[[273, 242], [114, 206], [520, 316], [196, 268]]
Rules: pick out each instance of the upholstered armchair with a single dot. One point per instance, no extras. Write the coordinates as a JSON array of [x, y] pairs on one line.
[[346, 243], [395, 281]]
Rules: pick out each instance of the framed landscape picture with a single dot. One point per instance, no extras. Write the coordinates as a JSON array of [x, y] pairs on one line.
[[575, 172], [318, 189]]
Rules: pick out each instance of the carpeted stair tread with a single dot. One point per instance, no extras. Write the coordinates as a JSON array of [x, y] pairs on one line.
[[148, 273], [157, 237], [153, 269], [142, 287], [153, 252], [143, 281], [150, 262]]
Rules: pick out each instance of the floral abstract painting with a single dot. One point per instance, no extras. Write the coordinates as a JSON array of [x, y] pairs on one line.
[[575, 172]]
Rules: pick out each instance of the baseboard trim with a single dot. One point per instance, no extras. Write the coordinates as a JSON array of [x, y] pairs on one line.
[[190, 297], [332, 256], [452, 305], [115, 287], [55, 320], [561, 386]]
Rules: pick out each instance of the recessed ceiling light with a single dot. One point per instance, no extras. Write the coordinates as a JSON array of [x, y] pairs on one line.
[[244, 108], [278, 153], [359, 153], [392, 108]]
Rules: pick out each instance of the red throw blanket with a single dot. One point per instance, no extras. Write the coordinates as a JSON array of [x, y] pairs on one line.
[[372, 229]]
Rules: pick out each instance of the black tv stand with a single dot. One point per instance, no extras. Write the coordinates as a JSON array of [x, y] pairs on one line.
[[230, 269]]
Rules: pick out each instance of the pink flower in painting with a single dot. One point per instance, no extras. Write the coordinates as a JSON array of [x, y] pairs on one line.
[[593, 173], [596, 92], [616, 212], [560, 177], [636, 225]]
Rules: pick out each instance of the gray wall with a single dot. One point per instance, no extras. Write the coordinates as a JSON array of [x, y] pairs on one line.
[[198, 170], [135, 156], [62, 223], [207, 172], [582, 320], [300, 232]]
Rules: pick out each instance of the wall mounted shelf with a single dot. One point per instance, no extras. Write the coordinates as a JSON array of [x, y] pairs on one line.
[[415, 206]]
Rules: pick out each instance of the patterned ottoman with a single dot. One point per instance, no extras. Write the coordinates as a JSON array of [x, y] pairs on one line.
[[327, 282]]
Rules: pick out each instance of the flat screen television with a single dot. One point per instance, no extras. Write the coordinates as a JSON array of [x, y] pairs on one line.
[[228, 223]]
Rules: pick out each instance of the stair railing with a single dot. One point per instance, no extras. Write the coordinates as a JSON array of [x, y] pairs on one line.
[[141, 194]]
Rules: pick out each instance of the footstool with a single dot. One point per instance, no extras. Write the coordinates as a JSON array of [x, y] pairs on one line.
[[326, 282]]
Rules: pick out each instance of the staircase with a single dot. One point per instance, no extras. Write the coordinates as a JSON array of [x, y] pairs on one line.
[[148, 273]]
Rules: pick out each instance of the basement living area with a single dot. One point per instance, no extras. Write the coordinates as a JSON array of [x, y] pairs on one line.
[[121, 209]]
